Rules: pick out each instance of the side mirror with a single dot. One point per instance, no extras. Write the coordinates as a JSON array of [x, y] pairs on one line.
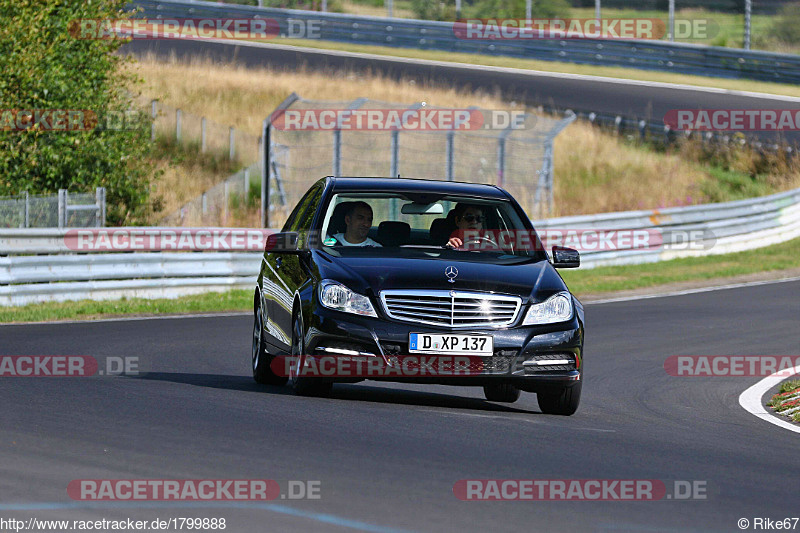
[[564, 257], [283, 243]]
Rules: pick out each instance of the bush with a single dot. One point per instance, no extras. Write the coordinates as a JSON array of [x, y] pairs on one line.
[[786, 27], [333, 6], [516, 9], [433, 10], [45, 67]]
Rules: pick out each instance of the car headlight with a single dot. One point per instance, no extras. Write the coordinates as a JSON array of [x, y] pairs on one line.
[[557, 308], [334, 295]]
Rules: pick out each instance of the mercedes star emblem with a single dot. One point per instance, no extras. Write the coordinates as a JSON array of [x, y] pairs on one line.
[[451, 272]]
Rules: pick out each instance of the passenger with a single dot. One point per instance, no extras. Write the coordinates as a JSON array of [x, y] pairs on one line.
[[358, 220]]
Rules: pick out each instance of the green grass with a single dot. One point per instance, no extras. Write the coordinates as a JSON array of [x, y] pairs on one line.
[[606, 279], [591, 281], [728, 28], [788, 386], [729, 185], [237, 300]]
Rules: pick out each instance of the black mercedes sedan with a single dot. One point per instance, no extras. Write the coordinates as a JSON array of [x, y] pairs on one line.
[[412, 280]]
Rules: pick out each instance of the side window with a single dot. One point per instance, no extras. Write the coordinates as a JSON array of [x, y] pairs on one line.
[[299, 215], [304, 221]]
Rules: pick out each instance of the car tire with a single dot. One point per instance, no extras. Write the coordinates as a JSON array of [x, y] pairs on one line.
[[503, 392], [562, 402], [261, 359], [303, 385]]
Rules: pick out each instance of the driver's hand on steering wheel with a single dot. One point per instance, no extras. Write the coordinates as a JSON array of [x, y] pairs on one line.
[[454, 242]]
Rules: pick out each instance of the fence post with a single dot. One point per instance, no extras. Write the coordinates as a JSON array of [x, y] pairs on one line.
[[62, 208], [337, 136], [265, 147], [337, 153], [225, 202], [548, 157], [450, 172], [231, 144], [27, 210], [246, 184], [204, 204], [501, 159], [394, 168], [203, 135], [153, 114], [100, 217], [178, 125]]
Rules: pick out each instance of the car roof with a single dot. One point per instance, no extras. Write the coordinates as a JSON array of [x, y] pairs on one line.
[[410, 185]]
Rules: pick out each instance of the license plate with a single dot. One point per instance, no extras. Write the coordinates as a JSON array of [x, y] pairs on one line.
[[452, 344]]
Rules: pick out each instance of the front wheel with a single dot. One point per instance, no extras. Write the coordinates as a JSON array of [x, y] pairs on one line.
[[560, 402], [304, 385], [262, 372]]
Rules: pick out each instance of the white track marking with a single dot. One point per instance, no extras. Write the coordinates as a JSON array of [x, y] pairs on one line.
[[750, 399]]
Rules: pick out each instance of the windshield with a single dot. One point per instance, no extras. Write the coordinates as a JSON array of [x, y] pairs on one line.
[[461, 225]]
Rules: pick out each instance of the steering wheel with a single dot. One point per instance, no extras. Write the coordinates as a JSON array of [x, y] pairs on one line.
[[482, 238]]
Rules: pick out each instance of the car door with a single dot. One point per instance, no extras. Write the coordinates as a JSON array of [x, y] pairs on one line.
[[283, 273]]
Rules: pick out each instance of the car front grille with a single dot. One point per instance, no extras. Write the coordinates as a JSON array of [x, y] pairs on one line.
[[475, 365], [451, 308]]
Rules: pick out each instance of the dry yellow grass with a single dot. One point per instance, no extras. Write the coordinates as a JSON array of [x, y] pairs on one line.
[[595, 173], [594, 170], [244, 97], [179, 184]]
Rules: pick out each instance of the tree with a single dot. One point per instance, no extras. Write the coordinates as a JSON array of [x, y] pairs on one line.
[[45, 67]]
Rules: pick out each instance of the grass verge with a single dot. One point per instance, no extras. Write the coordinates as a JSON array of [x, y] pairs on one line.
[[782, 256], [599, 280], [212, 302]]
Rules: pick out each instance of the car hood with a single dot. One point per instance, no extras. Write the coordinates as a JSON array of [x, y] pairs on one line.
[[370, 273]]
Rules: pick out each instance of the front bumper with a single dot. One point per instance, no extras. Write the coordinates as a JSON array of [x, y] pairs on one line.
[[522, 354]]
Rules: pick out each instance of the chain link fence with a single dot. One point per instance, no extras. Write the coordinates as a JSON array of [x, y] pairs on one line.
[[62, 210], [225, 204], [510, 148], [202, 133]]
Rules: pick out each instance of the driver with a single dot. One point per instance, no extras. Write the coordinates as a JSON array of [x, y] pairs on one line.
[[467, 217], [358, 221]]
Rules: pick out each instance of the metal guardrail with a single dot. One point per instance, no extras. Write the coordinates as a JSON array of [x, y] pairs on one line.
[[718, 228], [31, 279], [432, 35]]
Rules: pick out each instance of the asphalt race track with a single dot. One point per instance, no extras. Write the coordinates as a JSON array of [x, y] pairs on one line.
[[641, 101], [387, 455]]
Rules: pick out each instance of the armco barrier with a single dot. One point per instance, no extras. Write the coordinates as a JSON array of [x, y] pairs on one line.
[[42, 278], [432, 35], [66, 275]]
